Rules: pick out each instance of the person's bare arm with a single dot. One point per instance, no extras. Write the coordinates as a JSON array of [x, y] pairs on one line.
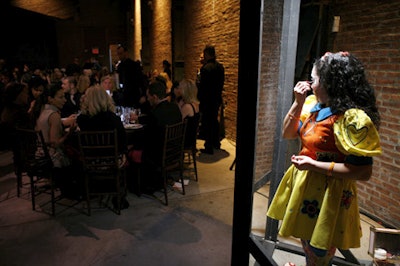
[[56, 136], [292, 118], [186, 110], [69, 121], [336, 170]]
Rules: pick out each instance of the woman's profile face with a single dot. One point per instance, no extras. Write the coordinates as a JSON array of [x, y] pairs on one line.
[[58, 100], [318, 91]]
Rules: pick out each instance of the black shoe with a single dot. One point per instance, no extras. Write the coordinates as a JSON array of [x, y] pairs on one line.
[[207, 151]]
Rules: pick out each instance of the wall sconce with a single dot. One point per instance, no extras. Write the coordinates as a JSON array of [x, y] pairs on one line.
[[336, 23]]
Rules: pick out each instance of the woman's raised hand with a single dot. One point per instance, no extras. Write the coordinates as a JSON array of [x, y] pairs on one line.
[[300, 91]]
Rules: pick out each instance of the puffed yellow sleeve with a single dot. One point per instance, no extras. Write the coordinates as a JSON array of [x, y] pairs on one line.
[[356, 134], [310, 102]]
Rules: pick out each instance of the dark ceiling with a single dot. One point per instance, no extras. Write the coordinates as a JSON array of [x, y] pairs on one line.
[[60, 9], [27, 37]]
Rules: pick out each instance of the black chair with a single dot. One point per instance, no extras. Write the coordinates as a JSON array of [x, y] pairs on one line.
[[172, 158], [104, 175], [31, 158], [190, 150]]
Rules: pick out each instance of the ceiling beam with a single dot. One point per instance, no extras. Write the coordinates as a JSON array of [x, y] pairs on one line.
[[61, 9]]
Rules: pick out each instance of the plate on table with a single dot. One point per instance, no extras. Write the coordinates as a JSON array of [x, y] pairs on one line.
[[133, 126]]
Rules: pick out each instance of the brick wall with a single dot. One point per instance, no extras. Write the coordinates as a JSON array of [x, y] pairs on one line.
[[206, 22], [217, 23], [161, 37], [370, 30], [270, 53]]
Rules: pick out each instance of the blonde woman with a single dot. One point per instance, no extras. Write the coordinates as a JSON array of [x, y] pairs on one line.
[[189, 109], [98, 113]]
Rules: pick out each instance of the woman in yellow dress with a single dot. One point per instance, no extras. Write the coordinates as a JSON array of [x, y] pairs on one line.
[[317, 197]]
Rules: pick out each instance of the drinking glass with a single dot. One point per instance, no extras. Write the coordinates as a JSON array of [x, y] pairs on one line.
[[126, 115]]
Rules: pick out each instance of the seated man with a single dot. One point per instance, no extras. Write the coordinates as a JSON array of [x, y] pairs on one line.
[[162, 113]]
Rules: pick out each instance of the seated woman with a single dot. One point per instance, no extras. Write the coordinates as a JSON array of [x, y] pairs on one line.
[[98, 113], [49, 122], [189, 106]]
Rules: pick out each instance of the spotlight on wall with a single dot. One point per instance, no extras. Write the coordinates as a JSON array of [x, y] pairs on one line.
[[336, 23]]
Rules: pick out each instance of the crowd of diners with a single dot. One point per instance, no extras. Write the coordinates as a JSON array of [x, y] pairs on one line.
[[64, 101]]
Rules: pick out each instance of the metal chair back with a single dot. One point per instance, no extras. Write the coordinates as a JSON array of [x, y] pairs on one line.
[[101, 164], [172, 158], [32, 158]]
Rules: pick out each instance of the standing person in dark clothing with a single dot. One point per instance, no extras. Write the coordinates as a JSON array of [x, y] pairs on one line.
[[130, 79], [211, 83]]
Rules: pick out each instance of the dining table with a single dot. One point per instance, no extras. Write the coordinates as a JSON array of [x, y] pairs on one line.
[[135, 135]]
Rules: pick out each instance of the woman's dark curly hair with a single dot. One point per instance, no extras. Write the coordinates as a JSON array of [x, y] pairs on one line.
[[343, 77]]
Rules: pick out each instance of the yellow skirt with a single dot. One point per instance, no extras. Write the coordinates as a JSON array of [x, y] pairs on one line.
[[318, 208]]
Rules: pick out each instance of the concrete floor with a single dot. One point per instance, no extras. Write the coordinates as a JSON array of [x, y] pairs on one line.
[[195, 229]]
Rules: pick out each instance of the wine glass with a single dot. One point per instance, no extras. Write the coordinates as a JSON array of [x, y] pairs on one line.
[[118, 110]]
